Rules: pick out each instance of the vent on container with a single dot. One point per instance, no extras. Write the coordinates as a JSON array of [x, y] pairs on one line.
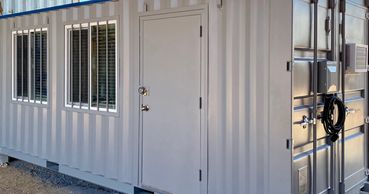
[[357, 57]]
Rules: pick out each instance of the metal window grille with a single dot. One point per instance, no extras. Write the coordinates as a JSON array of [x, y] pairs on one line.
[[30, 66], [92, 65]]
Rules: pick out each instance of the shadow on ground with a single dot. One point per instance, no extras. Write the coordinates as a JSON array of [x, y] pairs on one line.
[[21, 177]]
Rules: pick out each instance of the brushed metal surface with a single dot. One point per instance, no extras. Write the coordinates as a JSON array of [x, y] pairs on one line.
[[356, 90]]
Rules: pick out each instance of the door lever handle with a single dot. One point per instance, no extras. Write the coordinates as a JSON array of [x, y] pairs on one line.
[[145, 108]]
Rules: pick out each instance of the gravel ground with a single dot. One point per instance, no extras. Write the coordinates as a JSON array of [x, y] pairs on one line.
[[21, 178]]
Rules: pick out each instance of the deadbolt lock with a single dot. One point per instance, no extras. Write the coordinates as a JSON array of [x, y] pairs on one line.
[[145, 108], [143, 91]]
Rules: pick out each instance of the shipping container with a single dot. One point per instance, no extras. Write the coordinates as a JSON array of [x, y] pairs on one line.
[[189, 96]]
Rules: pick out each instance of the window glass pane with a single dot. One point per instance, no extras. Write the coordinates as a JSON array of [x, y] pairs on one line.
[[84, 66], [75, 66], [37, 69], [79, 66], [94, 66], [111, 66], [19, 65], [44, 66], [25, 66], [32, 42], [102, 66]]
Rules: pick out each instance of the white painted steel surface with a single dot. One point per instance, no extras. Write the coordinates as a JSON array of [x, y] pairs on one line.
[[171, 65], [249, 101], [94, 142]]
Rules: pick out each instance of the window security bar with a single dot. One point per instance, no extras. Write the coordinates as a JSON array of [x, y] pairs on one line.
[[92, 44], [30, 66]]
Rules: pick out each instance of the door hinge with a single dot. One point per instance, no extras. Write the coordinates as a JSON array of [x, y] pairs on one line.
[[220, 4], [200, 102], [340, 56], [366, 120], [200, 175], [200, 31], [327, 24], [146, 7], [289, 66], [289, 144], [366, 172]]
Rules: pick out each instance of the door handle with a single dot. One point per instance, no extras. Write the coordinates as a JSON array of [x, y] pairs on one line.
[[145, 108], [143, 91]]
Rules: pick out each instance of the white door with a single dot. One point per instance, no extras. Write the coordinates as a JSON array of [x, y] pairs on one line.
[[171, 122]]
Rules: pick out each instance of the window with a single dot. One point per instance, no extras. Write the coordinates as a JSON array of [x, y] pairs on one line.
[[91, 66], [30, 66]]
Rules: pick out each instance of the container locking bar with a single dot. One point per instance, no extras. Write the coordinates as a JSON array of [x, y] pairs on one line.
[[315, 97], [343, 72]]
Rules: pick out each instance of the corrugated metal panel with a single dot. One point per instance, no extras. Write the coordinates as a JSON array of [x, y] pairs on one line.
[[95, 142], [328, 157], [247, 141], [249, 45], [154, 5], [248, 125]]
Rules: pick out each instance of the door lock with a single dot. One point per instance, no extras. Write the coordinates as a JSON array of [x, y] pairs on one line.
[[145, 108], [143, 91]]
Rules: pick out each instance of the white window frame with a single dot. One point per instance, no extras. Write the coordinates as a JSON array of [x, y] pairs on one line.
[[14, 50], [88, 106]]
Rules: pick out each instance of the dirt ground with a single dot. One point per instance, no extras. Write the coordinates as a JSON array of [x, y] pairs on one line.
[[24, 178]]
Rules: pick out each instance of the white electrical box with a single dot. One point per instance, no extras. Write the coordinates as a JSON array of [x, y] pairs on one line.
[[357, 57]]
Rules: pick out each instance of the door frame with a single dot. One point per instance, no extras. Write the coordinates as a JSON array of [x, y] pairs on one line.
[[201, 10]]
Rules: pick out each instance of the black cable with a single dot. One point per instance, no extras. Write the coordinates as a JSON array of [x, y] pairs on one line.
[[333, 128]]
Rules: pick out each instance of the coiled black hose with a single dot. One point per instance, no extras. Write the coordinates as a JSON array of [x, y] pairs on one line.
[[328, 116]]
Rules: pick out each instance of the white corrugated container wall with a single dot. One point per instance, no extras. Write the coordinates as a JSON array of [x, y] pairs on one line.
[[96, 143], [249, 98]]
